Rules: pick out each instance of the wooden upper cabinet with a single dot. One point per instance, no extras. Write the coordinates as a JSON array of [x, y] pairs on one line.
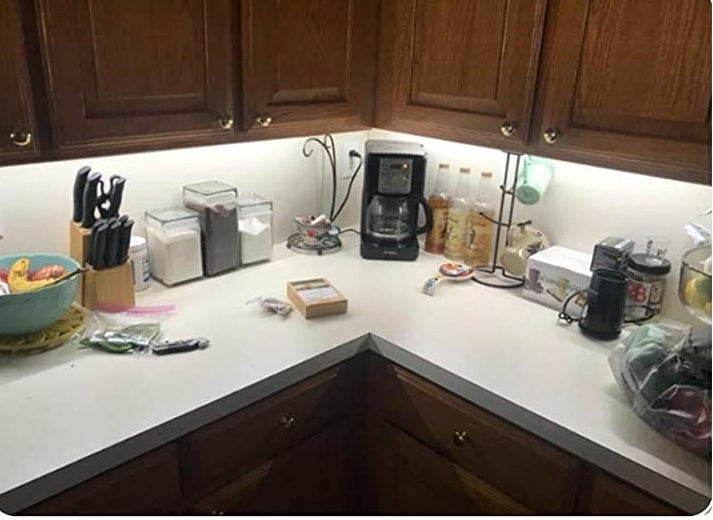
[[460, 69], [308, 65], [137, 71], [17, 119], [627, 83]]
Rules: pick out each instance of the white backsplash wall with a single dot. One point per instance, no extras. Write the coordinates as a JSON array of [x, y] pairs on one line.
[[584, 204], [36, 199]]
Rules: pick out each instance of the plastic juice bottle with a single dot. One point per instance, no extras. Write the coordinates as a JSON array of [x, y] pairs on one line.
[[458, 211], [439, 201], [479, 234]]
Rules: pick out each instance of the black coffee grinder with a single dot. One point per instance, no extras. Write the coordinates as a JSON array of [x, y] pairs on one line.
[[393, 190]]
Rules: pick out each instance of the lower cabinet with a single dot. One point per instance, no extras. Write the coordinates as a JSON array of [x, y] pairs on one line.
[[315, 477], [149, 484], [365, 436], [412, 478]]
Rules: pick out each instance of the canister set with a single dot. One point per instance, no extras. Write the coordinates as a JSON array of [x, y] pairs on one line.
[[214, 232]]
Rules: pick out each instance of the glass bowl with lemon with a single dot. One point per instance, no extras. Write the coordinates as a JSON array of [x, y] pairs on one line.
[[694, 284]]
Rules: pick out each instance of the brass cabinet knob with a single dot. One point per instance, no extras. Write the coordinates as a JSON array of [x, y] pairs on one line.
[[551, 135], [21, 137], [459, 438], [508, 128], [287, 422], [263, 120], [225, 122]]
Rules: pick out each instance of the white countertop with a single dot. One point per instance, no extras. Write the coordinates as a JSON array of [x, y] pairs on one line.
[[69, 414]]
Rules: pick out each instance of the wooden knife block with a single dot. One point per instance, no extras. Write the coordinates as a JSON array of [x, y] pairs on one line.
[[80, 244], [112, 287]]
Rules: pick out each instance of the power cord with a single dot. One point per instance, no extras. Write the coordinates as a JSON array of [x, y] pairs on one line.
[[327, 145]]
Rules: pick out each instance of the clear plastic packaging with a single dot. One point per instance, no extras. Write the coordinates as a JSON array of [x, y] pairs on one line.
[[665, 372]]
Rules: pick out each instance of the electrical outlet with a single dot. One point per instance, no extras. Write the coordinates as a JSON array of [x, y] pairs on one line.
[[347, 165]]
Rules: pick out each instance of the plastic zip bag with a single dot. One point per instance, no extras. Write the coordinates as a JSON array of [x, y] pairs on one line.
[[665, 372]]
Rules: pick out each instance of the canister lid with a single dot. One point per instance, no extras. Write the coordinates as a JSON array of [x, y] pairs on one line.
[[171, 215], [136, 243], [649, 264]]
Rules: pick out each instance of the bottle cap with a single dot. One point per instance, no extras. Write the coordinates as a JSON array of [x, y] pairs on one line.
[[649, 264]]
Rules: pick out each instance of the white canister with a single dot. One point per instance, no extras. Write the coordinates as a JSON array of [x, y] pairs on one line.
[[139, 258]]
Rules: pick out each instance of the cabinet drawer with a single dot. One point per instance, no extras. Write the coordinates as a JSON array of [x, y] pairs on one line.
[[149, 484], [602, 494], [232, 445], [530, 470]]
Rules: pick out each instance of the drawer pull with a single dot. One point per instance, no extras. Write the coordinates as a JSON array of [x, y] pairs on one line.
[[263, 120], [551, 135], [225, 122], [287, 422], [460, 438], [21, 137]]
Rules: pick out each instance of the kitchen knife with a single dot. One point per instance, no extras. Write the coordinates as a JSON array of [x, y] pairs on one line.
[[124, 239], [112, 243], [89, 199], [99, 245], [78, 194], [110, 200], [174, 347]]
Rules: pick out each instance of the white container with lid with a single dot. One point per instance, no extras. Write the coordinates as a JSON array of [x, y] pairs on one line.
[[139, 259], [255, 226], [174, 243]]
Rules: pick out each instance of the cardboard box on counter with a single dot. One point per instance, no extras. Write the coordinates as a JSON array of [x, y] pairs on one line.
[[555, 273], [316, 297]]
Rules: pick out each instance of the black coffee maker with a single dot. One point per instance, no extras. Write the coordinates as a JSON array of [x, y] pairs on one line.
[[394, 176]]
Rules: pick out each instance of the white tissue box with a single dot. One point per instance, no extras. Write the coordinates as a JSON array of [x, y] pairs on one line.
[[553, 274], [254, 228]]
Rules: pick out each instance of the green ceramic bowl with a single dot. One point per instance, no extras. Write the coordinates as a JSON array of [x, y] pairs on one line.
[[24, 313]]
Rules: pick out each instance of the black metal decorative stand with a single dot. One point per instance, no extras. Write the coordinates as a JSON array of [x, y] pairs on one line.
[[495, 275]]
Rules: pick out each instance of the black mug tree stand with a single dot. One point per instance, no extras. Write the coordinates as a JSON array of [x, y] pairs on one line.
[[495, 275]]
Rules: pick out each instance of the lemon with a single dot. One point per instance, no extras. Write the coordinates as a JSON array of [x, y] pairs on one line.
[[693, 297], [703, 286]]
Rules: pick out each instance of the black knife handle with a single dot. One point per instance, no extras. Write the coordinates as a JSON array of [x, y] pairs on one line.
[[99, 246], [78, 193], [89, 199], [116, 193], [174, 347], [112, 244], [124, 239]]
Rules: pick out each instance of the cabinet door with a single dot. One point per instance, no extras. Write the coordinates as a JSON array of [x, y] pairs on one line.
[[149, 484], [460, 69], [627, 84], [316, 476], [308, 65], [413, 479], [137, 71], [602, 494], [17, 119]]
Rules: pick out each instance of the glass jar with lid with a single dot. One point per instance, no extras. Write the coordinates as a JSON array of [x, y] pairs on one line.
[[646, 285], [174, 244], [216, 203]]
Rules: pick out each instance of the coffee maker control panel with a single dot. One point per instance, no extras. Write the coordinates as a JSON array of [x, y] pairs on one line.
[[395, 175]]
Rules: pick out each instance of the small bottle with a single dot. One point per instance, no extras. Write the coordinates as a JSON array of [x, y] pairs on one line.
[[479, 234], [438, 201], [458, 217]]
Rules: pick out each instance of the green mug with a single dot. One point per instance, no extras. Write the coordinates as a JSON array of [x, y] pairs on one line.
[[534, 179]]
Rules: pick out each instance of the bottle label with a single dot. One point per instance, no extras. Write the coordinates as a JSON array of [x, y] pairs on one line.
[[436, 238], [478, 238], [455, 234]]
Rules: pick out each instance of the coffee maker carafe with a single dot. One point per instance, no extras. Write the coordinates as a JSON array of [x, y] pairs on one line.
[[393, 191]]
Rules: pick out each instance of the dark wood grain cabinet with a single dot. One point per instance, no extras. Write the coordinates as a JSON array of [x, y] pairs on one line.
[[365, 436], [308, 65], [460, 69], [128, 74], [627, 83], [18, 129], [618, 83]]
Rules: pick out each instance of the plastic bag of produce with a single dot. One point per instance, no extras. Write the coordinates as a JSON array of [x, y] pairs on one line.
[[665, 372]]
